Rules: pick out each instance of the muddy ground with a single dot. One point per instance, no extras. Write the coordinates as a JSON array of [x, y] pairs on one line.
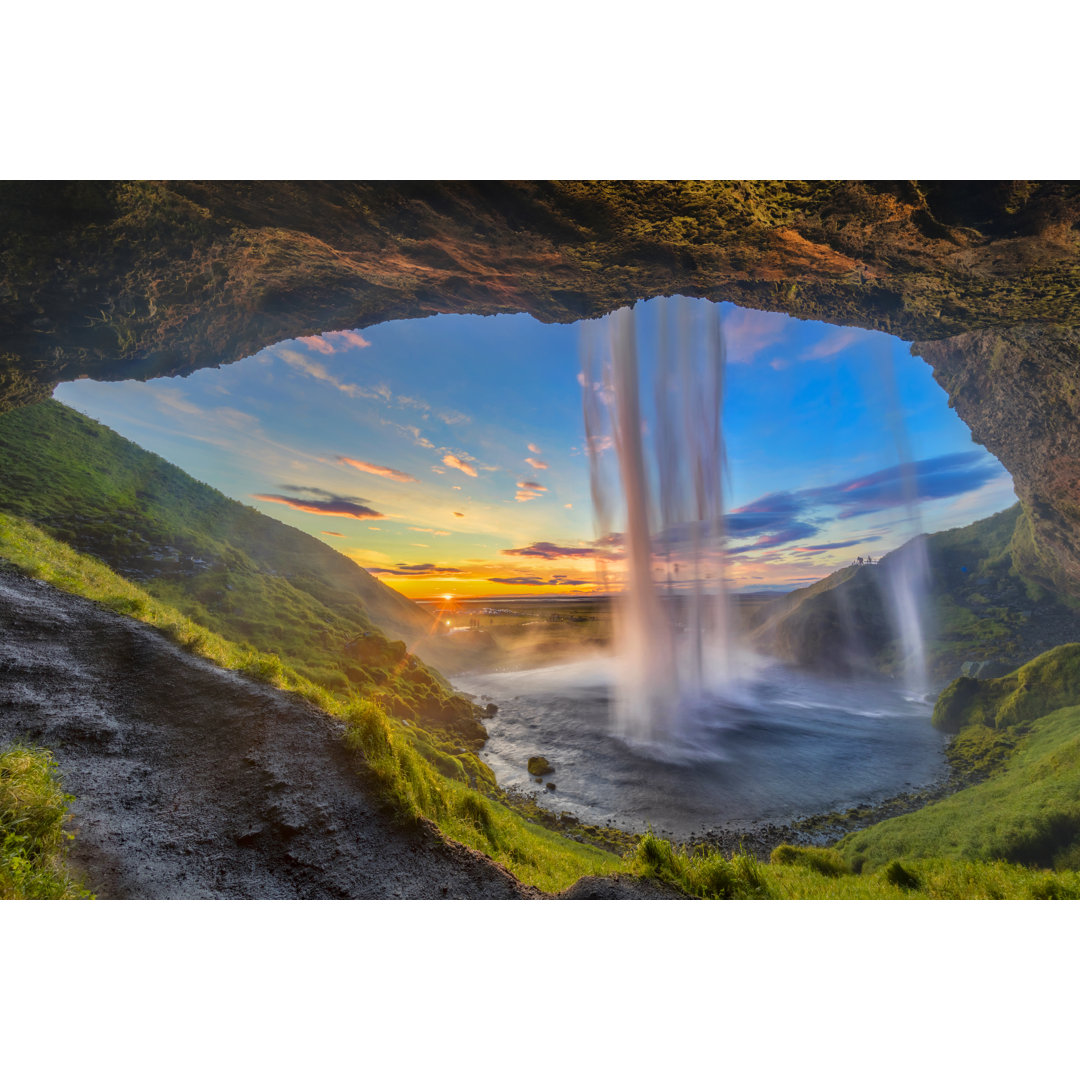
[[192, 782]]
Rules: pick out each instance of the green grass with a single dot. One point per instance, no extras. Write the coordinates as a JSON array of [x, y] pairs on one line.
[[33, 812], [225, 566], [416, 790], [806, 873], [413, 769], [38, 555], [1029, 813], [921, 879], [699, 873], [953, 849]]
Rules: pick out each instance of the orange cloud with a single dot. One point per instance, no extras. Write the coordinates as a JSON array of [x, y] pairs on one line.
[[529, 489], [329, 507], [318, 371], [536, 463], [379, 470], [325, 343], [319, 344], [327, 532], [458, 513], [454, 462], [533, 448]]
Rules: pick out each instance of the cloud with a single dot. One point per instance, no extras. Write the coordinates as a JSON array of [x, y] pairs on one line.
[[327, 532], [413, 432], [379, 470], [528, 489], [748, 332], [318, 344], [536, 463], [416, 570], [613, 539], [452, 416], [782, 516], [559, 580], [330, 342], [799, 530], [568, 506], [839, 544], [434, 532], [332, 506], [543, 549], [454, 462], [315, 370], [835, 341], [932, 478], [458, 513], [533, 448]]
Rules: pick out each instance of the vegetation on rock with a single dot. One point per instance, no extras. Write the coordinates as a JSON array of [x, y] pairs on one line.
[[982, 606]]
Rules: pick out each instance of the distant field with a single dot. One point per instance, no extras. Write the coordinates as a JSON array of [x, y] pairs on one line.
[[534, 632]]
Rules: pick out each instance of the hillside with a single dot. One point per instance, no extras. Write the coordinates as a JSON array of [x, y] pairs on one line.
[[226, 566], [984, 608], [1024, 730], [191, 782]]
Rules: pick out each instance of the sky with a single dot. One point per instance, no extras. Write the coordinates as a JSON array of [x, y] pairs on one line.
[[446, 454]]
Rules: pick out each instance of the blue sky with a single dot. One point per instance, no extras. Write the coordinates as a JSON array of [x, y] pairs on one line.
[[446, 453]]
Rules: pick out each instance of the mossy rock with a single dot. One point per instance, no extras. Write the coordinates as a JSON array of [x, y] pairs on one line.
[[540, 766]]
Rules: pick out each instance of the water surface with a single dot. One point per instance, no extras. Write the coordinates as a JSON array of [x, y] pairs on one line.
[[785, 745]]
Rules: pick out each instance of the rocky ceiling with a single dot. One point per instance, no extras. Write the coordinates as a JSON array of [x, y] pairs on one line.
[[135, 280]]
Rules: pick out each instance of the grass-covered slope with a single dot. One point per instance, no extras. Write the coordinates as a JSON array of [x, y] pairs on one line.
[[1029, 813], [983, 605], [229, 568], [416, 772], [1026, 727], [1048, 682]]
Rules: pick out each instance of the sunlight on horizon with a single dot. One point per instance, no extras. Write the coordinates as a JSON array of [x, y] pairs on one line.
[[447, 452]]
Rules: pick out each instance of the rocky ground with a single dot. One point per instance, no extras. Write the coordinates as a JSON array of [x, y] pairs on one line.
[[192, 782]]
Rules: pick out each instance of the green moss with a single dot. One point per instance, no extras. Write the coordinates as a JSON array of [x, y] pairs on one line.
[[1050, 681]]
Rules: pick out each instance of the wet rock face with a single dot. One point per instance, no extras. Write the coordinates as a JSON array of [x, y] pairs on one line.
[[135, 280], [1018, 389]]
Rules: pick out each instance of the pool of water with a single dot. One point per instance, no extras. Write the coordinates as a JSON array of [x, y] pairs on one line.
[[782, 745]]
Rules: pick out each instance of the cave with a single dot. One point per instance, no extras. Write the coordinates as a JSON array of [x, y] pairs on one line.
[[135, 280]]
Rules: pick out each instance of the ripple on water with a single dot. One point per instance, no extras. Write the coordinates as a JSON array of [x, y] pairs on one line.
[[788, 745]]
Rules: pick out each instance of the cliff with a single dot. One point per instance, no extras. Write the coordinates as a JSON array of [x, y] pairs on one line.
[[134, 280]]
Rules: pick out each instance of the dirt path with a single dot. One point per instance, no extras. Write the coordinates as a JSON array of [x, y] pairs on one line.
[[193, 782]]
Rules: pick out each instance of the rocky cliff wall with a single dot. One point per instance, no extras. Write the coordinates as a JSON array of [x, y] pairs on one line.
[[136, 280]]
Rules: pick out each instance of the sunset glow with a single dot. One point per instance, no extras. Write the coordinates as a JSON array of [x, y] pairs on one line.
[[476, 483]]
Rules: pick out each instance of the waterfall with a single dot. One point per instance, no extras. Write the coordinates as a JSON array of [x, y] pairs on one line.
[[907, 570], [672, 637]]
